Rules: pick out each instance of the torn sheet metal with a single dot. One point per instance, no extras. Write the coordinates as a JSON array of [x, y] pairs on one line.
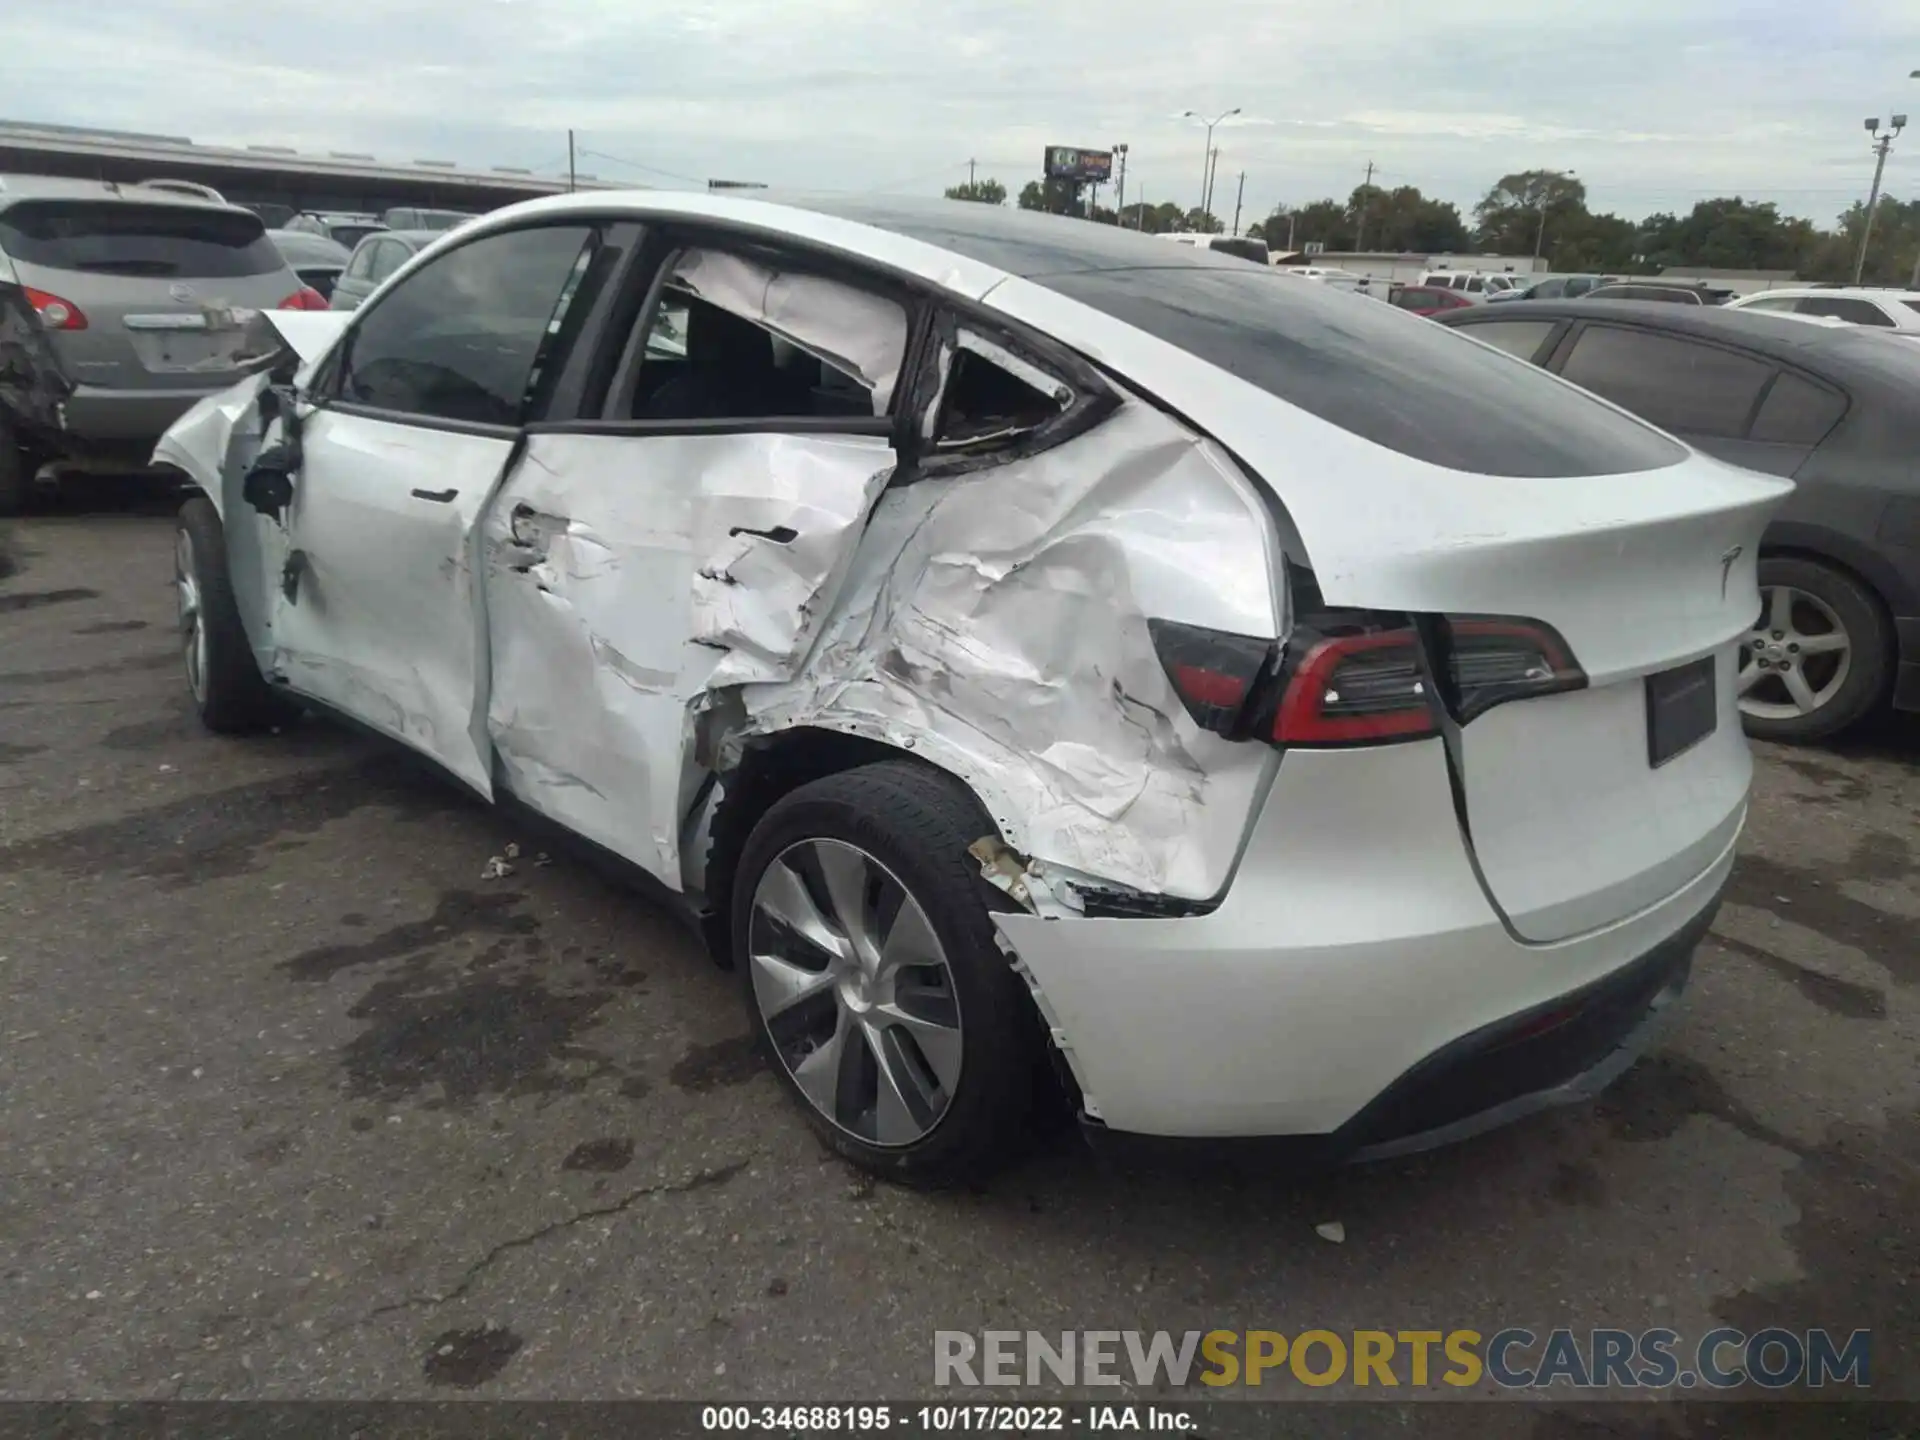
[[33, 385], [624, 582], [860, 334], [995, 623]]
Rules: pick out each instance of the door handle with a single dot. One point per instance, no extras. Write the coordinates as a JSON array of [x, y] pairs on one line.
[[439, 497]]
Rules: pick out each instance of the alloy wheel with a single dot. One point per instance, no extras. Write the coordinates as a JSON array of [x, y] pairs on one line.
[[856, 992], [193, 628], [1796, 659]]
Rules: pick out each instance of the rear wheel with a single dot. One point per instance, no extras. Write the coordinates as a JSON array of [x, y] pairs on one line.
[[226, 684], [862, 933], [1818, 660]]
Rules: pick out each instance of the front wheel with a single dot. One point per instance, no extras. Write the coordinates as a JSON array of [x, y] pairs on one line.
[[227, 688], [862, 931], [1818, 660]]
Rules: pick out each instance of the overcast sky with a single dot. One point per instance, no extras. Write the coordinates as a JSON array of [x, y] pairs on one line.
[[1654, 103]]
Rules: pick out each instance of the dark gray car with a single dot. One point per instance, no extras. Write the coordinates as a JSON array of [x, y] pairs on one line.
[[374, 259], [140, 299], [1837, 409]]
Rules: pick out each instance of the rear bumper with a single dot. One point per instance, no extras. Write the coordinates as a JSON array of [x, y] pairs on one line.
[[97, 417], [1562, 1053], [1355, 990]]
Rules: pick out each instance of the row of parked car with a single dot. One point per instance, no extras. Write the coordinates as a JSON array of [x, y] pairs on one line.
[[122, 305]]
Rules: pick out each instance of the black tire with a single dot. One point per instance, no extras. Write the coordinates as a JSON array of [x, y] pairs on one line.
[[232, 697], [917, 823], [1870, 645], [16, 472]]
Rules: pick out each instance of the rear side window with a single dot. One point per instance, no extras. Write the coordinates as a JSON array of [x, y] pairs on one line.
[[105, 237], [1355, 364], [1675, 384], [1517, 337], [1797, 412], [460, 338], [1841, 307]]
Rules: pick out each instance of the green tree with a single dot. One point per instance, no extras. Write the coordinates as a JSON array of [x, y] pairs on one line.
[[1152, 219], [1892, 252], [1202, 222], [1525, 206], [1404, 219], [1055, 197], [1326, 223], [1727, 233], [987, 192]]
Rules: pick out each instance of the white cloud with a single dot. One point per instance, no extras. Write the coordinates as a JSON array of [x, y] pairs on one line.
[[1653, 102]]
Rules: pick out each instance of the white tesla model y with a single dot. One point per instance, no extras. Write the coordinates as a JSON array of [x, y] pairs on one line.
[[1044, 656]]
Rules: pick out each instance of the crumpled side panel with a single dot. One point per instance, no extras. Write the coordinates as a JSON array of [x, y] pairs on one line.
[[625, 579], [33, 385], [996, 624], [858, 333]]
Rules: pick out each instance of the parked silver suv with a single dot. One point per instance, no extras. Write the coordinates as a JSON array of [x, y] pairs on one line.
[[120, 307]]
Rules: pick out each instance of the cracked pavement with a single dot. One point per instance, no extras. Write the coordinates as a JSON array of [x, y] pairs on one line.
[[296, 1104]]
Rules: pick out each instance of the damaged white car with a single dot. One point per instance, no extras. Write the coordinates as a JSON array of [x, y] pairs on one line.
[[1043, 656]]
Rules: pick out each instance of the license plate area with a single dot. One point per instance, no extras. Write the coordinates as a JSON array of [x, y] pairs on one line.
[[1682, 709]]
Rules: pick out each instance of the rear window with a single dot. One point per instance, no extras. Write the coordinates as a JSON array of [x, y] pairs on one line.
[[117, 238], [1399, 382]]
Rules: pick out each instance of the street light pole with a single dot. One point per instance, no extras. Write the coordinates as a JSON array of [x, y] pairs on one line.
[[1882, 143], [1120, 196], [1206, 157]]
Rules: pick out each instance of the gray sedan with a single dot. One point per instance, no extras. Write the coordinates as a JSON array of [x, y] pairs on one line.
[[374, 259]]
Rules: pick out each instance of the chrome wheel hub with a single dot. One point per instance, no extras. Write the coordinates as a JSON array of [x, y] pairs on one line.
[[855, 991], [193, 629], [1796, 659]]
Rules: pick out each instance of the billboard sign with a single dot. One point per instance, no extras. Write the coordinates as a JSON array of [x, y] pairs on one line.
[[1070, 162]]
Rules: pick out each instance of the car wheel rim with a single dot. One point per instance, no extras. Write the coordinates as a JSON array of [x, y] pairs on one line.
[[1796, 659], [855, 991], [193, 630]]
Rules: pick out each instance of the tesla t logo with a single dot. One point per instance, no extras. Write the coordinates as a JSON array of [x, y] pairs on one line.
[[182, 293], [1726, 566]]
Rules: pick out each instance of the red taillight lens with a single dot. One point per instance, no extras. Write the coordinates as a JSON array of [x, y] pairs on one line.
[[305, 298], [1491, 659], [55, 313], [1354, 688], [1213, 671]]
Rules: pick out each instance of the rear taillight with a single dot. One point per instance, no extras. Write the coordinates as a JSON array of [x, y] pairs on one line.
[[1213, 672], [305, 298], [1491, 659], [55, 313], [1355, 677]]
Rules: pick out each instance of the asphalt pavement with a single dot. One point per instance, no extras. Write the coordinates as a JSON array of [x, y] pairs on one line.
[[295, 1103]]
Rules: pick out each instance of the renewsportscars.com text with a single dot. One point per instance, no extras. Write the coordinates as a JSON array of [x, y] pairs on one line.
[[1513, 1359]]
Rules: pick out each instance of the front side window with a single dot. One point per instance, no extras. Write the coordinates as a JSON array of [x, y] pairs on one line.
[[459, 339], [1673, 383]]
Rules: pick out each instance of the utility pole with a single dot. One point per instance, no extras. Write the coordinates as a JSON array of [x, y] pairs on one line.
[[570, 177], [1360, 225], [969, 177], [1120, 198], [1882, 143], [1546, 199], [1292, 219], [1239, 196], [1213, 166]]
